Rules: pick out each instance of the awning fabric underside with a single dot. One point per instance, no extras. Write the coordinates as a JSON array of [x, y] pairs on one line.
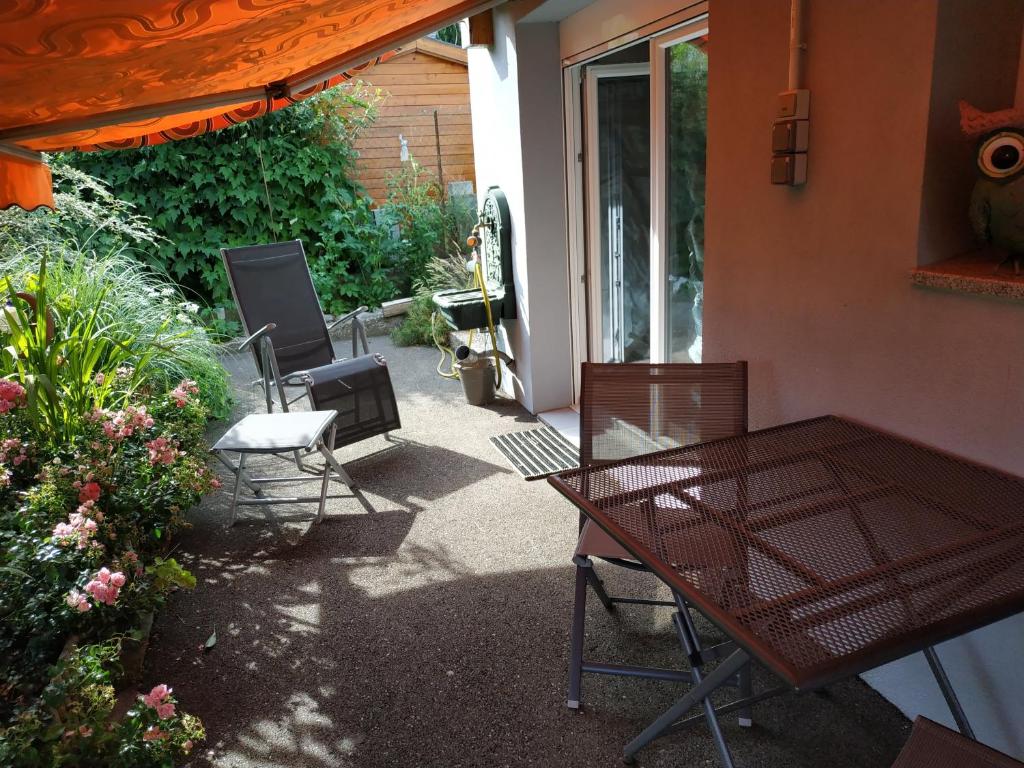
[[83, 74]]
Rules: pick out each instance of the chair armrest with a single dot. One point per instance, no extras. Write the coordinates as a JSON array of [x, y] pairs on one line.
[[295, 378], [344, 318], [256, 336]]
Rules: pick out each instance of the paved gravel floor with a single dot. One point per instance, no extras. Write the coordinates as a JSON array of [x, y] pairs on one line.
[[424, 623]]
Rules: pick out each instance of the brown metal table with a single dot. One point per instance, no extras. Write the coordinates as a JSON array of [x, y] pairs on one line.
[[822, 548]]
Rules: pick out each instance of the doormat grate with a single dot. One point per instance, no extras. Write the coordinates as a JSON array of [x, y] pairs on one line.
[[537, 453]]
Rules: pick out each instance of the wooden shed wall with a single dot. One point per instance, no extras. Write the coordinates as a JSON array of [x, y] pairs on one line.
[[416, 84]]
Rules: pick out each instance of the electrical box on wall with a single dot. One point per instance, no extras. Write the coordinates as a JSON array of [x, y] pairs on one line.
[[794, 105], [789, 169], [791, 138]]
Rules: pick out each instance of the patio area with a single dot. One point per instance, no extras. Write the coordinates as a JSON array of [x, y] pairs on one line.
[[426, 622]]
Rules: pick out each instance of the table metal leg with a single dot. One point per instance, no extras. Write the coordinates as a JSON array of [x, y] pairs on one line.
[[690, 640], [948, 693], [719, 676], [746, 690]]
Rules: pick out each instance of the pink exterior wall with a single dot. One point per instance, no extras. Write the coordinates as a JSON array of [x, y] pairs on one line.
[[811, 285]]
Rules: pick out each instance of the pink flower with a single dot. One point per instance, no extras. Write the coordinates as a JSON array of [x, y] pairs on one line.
[[78, 527], [90, 492], [162, 451], [105, 586], [85, 731], [12, 395], [165, 710], [180, 393], [156, 696], [153, 734], [13, 450], [99, 379], [76, 599]]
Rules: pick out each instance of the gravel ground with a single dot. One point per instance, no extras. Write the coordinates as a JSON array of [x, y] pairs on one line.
[[425, 622]]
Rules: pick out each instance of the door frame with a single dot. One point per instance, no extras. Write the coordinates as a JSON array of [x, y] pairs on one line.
[[577, 159], [691, 30], [593, 75]]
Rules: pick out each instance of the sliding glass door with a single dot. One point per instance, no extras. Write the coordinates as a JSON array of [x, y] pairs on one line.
[[637, 131], [619, 211], [683, 140]]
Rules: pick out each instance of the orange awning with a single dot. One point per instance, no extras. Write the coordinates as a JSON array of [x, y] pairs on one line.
[[25, 183], [123, 73]]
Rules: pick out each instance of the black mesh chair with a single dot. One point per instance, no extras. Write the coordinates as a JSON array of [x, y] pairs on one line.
[[291, 344], [629, 409]]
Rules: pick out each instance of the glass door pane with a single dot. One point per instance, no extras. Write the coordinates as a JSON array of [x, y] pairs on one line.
[[686, 82], [623, 211]]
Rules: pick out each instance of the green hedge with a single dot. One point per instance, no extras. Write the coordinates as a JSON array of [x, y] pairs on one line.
[[287, 175]]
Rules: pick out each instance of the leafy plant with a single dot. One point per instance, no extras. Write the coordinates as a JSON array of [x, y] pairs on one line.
[[420, 326], [135, 314], [73, 722], [424, 219], [286, 175], [86, 212], [61, 366]]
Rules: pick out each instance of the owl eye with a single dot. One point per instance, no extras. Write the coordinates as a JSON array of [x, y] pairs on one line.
[[1001, 155]]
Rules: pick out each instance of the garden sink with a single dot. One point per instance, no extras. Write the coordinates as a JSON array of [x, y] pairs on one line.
[[464, 310]]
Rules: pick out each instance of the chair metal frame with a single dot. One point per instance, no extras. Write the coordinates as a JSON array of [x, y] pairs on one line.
[[261, 345], [586, 575]]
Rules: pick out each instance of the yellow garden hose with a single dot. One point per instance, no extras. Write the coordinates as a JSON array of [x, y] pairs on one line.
[[490, 323], [446, 351]]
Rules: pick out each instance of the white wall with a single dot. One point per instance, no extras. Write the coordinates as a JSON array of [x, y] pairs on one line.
[[517, 142], [494, 96], [605, 20], [811, 285]]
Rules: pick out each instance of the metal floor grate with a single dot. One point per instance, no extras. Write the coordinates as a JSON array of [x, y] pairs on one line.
[[537, 453]]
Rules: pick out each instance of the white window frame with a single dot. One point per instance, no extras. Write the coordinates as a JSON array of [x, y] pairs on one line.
[[584, 306], [594, 74], [691, 30]]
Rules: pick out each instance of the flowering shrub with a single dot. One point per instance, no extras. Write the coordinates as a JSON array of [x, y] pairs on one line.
[[84, 526], [72, 722]]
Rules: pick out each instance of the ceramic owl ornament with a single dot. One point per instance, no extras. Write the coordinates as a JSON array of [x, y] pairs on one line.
[[997, 202]]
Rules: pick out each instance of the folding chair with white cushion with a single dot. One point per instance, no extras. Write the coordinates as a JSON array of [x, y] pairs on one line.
[[291, 344]]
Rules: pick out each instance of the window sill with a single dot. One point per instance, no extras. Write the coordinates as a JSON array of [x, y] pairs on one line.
[[972, 273]]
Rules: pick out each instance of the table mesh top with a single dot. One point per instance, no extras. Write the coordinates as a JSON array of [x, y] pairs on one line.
[[824, 547]]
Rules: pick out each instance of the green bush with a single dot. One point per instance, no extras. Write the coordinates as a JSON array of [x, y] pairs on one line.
[[286, 175], [98, 463], [441, 273], [92, 247], [425, 221], [418, 327]]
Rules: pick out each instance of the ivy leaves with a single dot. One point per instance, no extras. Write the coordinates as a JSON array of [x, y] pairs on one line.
[[287, 175]]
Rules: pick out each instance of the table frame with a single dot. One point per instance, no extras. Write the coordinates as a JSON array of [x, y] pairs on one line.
[[739, 649]]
